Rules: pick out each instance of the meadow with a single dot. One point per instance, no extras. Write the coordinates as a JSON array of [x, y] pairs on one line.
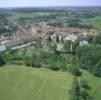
[[95, 84], [25, 83], [96, 22]]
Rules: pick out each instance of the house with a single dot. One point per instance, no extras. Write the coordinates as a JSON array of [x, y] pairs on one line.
[[2, 48], [5, 41], [72, 38], [83, 42]]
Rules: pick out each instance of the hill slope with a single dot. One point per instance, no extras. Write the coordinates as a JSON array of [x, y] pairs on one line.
[[23, 83]]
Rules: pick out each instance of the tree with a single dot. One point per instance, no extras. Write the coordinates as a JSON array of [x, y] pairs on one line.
[[89, 57], [94, 39], [54, 66], [68, 45], [90, 38], [75, 91], [84, 84], [49, 39], [97, 39], [97, 69], [2, 61], [84, 94], [74, 70], [63, 67]]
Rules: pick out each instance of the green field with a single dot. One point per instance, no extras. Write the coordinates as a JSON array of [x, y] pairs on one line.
[[18, 15], [96, 21], [25, 83], [95, 84]]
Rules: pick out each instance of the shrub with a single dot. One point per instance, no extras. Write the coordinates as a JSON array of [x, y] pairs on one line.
[[84, 84], [36, 65], [54, 66], [84, 94], [28, 63], [75, 91], [63, 67], [74, 70], [90, 59], [2, 61], [97, 69]]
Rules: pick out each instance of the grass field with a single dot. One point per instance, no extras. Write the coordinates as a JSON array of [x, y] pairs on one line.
[[95, 84], [16, 15], [25, 83], [96, 21]]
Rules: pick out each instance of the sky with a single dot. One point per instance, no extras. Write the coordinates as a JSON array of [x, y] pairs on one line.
[[46, 3]]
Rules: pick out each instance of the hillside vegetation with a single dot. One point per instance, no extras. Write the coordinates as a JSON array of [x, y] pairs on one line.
[[96, 22], [24, 83]]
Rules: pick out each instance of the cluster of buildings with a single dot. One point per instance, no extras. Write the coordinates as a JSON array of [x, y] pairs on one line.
[[25, 35]]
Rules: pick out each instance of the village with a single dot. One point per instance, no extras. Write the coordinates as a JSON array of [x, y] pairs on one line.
[[48, 37], [50, 53]]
